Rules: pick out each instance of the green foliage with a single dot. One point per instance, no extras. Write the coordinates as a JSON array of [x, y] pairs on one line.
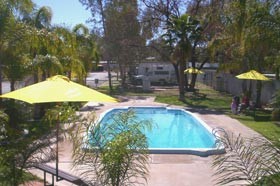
[[276, 100], [60, 113], [246, 161], [275, 103], [122, 35], [275, 115], [116, 151], [23, 143], [43, 17], [8, 168]]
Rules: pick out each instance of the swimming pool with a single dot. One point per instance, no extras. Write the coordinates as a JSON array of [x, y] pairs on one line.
[[173, 130]]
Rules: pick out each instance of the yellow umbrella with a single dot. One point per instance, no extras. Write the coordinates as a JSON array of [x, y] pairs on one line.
[[193, 71], [57, 89], [253, 75]]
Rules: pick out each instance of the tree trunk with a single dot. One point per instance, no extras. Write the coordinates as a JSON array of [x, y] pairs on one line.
[[35, 78], [69, 74], [193, 75], [182, 80], [193, 80], [122, 74], [258, 98], [44, 76], [277, 73], [109, 77], [176, 69], [186, 82], [12, 85]]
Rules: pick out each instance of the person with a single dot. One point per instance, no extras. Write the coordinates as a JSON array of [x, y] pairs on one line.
[[234, 105], [245, 103], [237, 101]]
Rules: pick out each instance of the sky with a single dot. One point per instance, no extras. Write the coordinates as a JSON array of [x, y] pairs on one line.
[[66, 12]]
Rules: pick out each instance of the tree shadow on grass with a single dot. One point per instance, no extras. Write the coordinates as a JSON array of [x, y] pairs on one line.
[[193, 104]]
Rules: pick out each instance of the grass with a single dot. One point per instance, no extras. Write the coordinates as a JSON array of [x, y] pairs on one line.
[[209, 99], [267, 128]]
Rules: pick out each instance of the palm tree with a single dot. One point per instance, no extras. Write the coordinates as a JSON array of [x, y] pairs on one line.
[[14, 66], [178, 30], [43, 17], [68, 51], [86, 46], [47, 65], [249, 38], [9, 9], [38, 24]]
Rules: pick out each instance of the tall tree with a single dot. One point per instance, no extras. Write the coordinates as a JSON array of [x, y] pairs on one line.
[[97, 8], [10, 10], [67, 52], [86, 47], [249, 37], [123, 32], [177, 35], [198, 35], [157, 15], [39, 22]]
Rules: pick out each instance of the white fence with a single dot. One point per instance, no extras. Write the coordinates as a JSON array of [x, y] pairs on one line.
[[229, 83]]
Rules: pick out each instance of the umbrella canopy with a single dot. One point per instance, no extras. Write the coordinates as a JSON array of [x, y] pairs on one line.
[[57, 89], [253, 75], [193, 71]]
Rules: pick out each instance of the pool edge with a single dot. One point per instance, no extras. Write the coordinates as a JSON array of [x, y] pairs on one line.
[[203, 152]]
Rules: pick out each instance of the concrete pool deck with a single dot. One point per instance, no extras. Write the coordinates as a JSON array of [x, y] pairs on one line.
[[165, 170]]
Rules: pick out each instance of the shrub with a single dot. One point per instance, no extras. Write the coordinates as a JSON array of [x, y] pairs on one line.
[[275, 115], [116, 152]]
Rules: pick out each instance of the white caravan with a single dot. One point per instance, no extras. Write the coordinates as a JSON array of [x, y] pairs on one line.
[[160, 73]]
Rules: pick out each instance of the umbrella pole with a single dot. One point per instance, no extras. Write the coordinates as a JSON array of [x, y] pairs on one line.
[[56, 162]]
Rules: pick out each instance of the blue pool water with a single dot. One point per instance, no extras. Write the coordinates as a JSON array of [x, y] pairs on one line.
[[173, 130]]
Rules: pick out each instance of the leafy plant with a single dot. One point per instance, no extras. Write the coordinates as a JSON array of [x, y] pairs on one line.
[[276, 105], [275, 114], [253, 161], [116, 152], [275, 102], [24, 144]]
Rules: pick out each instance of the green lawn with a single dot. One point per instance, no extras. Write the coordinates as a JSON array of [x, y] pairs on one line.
[[206, 98]]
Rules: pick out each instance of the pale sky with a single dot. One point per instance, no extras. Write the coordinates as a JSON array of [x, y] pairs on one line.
[[66, 12]]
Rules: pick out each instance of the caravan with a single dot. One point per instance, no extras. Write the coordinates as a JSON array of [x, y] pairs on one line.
[[157, 73]]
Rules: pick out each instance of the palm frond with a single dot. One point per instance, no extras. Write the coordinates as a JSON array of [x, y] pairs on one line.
[[246, 161]]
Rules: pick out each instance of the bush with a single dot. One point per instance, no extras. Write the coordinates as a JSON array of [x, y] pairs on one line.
[[119, 151], [275, 115], [23, 143]]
